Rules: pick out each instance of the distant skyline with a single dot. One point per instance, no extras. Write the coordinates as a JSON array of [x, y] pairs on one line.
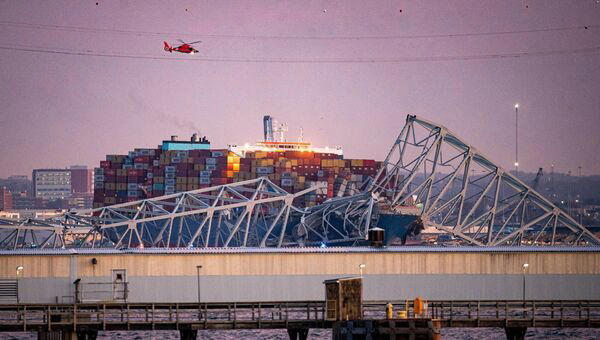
[[60, 110]]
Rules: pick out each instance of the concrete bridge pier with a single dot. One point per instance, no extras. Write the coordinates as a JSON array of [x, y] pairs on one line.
[[298, 333], [515, 333], [67, 335], [188, 334]]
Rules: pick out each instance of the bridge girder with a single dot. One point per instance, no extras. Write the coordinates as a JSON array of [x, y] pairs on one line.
[[459, 191], [463, 192]]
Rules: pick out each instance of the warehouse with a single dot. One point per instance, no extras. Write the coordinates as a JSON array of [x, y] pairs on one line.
[[268, 274]]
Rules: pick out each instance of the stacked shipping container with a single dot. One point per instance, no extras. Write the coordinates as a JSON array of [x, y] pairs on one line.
[[145, 173]]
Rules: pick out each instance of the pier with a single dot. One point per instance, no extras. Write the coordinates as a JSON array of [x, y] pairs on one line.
[[86, 319]]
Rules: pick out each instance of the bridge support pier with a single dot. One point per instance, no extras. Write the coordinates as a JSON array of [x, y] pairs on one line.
[[188, 334], [515, 333], [298, 333], [67, 335]]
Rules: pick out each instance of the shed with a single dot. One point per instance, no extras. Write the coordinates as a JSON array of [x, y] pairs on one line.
[[343, 298]]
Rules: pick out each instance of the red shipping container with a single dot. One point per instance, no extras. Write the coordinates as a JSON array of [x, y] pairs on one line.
[[184, 166], [182, 172], [110, 178], [110, 172], [105, 164], [369, 163], [218, 181], [135, 172], [121, 179]]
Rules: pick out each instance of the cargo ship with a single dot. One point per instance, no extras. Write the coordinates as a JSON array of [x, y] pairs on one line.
[[185, 165]]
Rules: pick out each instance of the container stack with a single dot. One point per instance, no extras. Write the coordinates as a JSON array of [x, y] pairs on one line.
[[145, 173]]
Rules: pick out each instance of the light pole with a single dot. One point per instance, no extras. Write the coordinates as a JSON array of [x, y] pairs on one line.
[[198, 267], [517, 140], [19, 270], [525, 266], [580, 197], [360, 268]]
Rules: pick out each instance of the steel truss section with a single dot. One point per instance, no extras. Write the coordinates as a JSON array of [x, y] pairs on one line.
[[463, 192], [344, 220], [457, 189], [254, 213]]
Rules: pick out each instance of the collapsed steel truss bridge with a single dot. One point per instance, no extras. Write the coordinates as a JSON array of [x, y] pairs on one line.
[[456, 188]]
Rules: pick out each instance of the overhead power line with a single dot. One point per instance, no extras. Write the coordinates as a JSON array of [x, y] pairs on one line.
[[80, 29], [587, 50]]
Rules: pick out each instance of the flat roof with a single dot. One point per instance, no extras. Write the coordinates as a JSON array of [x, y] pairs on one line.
[[301, 250]]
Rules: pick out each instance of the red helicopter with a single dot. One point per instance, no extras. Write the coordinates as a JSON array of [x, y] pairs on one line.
[[184, 48]]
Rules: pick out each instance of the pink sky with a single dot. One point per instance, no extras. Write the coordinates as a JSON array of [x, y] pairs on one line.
[[59, 110]]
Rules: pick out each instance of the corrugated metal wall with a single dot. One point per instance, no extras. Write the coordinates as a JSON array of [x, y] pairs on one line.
[[299, 276]]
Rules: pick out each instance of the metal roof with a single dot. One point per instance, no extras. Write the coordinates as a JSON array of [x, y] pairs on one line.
[[302, 250]]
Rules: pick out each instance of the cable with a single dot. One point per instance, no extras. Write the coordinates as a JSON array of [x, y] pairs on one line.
[[288, 37], [587, 50]]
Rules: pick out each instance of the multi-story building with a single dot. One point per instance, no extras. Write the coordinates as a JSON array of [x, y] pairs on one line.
[[51, 184], [81, 179], [23, 201], [81, 200], [18, 178], [5, 199]]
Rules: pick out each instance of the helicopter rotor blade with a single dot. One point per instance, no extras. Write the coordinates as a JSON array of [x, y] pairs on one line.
[[181, 41], [195, 42]]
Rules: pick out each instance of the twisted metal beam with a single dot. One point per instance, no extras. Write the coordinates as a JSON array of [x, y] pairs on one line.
[[457, 189], [253, 213], [461, 191]]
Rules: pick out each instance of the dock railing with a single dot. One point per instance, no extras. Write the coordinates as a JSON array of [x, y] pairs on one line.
[[90, 292], [286, 314]]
